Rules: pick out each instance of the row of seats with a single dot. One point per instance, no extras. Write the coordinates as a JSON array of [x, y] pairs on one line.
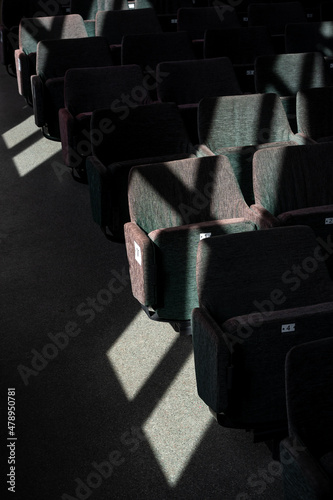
[[229, 239], [195, 21]]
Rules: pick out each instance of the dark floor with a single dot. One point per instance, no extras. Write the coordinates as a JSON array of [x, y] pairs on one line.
[[106, 402]]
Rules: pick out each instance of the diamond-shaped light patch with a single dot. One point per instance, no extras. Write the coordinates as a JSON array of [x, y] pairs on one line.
[[177, 424]]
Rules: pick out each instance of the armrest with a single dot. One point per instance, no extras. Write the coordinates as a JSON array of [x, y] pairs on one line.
[[38, 100], [212, 358], [97, 174], [302, 139], [264, 219], [142, 268], [203, 150], [315, 217], [303, 477], [67, 131], [22, 73]]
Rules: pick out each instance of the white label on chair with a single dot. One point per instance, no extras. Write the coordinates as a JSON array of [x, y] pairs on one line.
[[288, 328], [329, 220], [137, 253], [174, 21], [205, 235], [250, 72]]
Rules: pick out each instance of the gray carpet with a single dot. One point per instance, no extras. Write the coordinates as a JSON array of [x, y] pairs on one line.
[[106, 402]]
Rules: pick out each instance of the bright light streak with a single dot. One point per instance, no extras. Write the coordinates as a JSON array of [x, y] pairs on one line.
[[176, 426], [134, 357], [33, 156], [20, 132]]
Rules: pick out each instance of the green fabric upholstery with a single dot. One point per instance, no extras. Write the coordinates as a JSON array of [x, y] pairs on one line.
[[286, 74], [292, 178], [114, 24], [185, 192], [34, 29], [250, 315], [178, 203]]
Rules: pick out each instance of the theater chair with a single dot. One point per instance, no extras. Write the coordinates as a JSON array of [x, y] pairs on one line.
[[173, 205], [286, 74], [276, 15], [54, 58], [187, 82], [241, 46], [149, 49], [122, 138], [311, 37], [115, 24], [89, 89], [236, 126], [87, 9], [195, 21], [250, 314], [34, 29], [307, 454], [292, 185]]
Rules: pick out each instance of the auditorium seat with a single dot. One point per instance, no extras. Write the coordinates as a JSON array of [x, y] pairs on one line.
[[292, 185], [286, 74], [314, 113], [130, 136], [187, 82], [307, 454], [237, 126], [253, 308], [34, 29], [172, 206], [54, 58], [89, 89]]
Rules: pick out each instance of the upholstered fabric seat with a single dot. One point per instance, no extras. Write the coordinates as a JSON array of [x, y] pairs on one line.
[[54, 58], [253, 308], [292, 185], [237, 126], [187, 82], [172, 206], [89, 89], [307, 454], [286, 74], [31, 31], [129, 136], [241, 46]]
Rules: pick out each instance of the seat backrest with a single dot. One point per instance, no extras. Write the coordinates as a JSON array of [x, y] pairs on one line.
[[285, 74], [87, 89], [242, 120], [184, 192], [276, 15], [151, 130], [314, 112], [241, 274], [241, 45], [112, 5], [148, 50], [55, 57], [163, 6], [195, 21], [32, 30], [86, 8], [117, 23], [189, 81], [309, 37], [293, 177], [309, 389]]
